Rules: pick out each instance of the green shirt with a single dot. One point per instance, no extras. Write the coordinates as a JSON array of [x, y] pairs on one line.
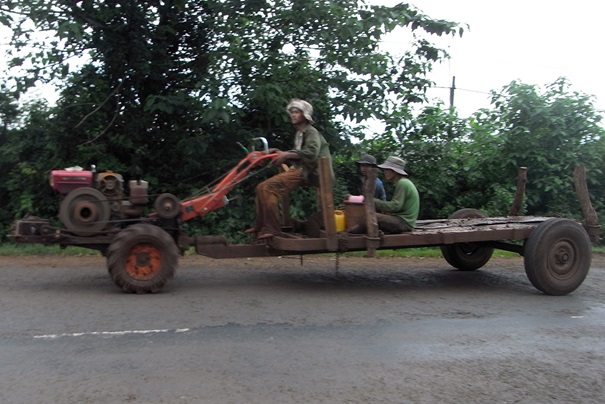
[[405, 202], [313, 147]]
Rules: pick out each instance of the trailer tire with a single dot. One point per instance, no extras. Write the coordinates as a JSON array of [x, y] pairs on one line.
[[467, 256], [142, 258], [557, 256]]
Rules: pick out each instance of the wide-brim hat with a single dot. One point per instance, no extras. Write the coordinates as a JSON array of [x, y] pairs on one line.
[[394, 163], [367, 159], [304, 106]]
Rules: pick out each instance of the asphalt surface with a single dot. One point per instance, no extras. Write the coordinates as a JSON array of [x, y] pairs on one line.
[[272, 330]]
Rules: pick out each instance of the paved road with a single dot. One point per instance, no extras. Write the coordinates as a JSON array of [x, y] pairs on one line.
[[273, 331]]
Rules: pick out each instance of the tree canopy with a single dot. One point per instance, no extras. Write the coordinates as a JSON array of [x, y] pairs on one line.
[[168, 89]]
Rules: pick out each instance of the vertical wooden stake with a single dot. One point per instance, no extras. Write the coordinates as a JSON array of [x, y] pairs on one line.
[[369, 188], [591, 220], [327, 203], [518, 201]]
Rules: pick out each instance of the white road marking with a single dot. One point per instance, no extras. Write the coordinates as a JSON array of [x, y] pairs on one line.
[[109, 333]]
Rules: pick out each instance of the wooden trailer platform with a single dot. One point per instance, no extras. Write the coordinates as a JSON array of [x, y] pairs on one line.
[[556, 251]]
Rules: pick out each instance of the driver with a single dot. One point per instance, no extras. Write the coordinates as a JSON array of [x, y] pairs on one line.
[[309, 146]]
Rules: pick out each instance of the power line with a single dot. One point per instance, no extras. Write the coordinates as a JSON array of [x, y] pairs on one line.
[[463, 89]]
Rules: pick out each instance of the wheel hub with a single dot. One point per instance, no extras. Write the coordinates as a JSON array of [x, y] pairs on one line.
[[143, 262], [562, 258], [85, 213], [561, 262]]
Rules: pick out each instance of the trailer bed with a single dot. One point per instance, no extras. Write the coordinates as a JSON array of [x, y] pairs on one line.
[[501, 232]]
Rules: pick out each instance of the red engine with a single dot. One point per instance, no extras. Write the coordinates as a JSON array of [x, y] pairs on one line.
[[93, 201], [65, 181]]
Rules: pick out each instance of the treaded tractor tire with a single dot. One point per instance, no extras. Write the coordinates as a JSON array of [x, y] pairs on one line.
[[466, 256], [142, 258], [557, 256]]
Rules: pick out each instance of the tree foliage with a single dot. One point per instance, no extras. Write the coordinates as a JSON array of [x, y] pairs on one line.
[[474, 162], [168, 88], [550, 131]]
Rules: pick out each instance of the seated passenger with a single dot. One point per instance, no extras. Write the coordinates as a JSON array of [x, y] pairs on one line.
[[366, 162], [400, 213]]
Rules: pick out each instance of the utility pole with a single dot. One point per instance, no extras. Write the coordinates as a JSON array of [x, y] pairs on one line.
[[452, 89]]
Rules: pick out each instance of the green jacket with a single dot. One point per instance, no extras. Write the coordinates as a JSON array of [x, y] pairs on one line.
[[313, 147], [405, 202]]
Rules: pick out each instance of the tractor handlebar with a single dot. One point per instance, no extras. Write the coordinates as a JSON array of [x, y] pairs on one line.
[[201, 205]]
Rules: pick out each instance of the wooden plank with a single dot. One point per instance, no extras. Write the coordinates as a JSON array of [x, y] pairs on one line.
[[591, 220], [417, 238], [235, 250], [519, 193], [327, 203], [369, 188]]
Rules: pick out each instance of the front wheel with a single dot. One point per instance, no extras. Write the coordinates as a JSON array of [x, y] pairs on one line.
[[557, 256], [467, 256], [142, 258]]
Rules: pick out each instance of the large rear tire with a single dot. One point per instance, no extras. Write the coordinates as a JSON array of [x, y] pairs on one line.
[[557, 256], [142, 258], [467, 256]]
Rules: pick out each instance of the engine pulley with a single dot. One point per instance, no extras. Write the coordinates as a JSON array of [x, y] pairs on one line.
[[167, 206], [85, 211]]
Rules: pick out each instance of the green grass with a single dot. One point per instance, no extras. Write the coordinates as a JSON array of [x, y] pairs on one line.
[[40, 249]]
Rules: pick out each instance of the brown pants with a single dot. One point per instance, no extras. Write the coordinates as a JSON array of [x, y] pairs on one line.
[[389, 224], [268, 194]]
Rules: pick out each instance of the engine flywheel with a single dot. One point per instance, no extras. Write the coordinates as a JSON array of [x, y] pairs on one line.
[[85, 211]]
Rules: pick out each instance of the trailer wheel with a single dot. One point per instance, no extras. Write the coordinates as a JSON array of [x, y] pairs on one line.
[[557, 256], [142, 258], [466, 256]]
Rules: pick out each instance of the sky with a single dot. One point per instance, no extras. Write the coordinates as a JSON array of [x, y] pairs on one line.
[[532, 41]]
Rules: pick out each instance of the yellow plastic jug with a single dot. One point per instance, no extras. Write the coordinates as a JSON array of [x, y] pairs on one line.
[[339, 217]]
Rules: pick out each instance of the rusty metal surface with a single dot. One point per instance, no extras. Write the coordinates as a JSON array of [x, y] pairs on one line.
[[39, 231], [236, 250]]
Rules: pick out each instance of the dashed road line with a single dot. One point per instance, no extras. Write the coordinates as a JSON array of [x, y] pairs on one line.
[[109, 333]]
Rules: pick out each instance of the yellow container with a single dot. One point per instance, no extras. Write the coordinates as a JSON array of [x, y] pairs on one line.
[[339, 217]]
